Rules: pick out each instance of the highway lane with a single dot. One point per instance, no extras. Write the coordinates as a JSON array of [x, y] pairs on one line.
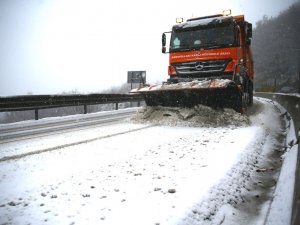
[[25, 130]]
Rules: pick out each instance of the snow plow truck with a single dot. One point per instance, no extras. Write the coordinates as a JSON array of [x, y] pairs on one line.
[[210, 63]]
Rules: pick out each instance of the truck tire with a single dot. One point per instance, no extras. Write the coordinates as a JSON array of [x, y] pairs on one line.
[[250, 91]]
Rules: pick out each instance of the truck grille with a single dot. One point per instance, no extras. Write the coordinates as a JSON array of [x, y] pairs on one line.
[[199, 69]]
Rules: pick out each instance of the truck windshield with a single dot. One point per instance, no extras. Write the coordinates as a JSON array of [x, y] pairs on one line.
[[203, 37]]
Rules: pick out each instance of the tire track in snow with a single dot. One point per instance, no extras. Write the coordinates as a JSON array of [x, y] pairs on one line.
[[245, 191], [19, 156], [231, 188]]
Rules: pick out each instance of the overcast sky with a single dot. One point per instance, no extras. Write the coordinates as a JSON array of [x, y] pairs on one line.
[[51, 46]]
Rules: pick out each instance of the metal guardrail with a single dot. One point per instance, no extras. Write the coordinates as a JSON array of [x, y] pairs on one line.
[[292, 105], [36, 102]]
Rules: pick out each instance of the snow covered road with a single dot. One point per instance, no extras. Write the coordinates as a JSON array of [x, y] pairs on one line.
[[20, 131], [208, 171]]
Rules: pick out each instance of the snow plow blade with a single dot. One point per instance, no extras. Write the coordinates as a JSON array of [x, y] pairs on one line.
[[216, 93]]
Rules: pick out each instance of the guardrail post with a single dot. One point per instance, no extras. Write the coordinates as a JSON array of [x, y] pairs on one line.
[[85, 109], [139, 104], [117, 106], [36, 114]]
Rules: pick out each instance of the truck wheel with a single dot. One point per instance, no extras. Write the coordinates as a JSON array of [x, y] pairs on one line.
[[245, 100], [250, 91]]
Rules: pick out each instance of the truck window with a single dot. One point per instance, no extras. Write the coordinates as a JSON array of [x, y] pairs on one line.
[[176, 43], [204, 37]]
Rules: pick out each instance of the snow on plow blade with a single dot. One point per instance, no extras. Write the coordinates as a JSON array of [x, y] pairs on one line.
[[214, 93]]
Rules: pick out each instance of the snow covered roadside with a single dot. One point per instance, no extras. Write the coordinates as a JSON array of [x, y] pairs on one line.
[[202, 173], [244, 194], [281, 208]]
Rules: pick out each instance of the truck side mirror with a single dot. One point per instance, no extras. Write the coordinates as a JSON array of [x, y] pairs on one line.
[[248, 41], [163, 40], [248, 30]]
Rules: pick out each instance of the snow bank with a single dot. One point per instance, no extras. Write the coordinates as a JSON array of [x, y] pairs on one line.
[[289, 94], [281, 208], [198, 116], [280, 212]]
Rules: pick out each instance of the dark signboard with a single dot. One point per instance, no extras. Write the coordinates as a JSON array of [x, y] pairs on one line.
[[136, 77]]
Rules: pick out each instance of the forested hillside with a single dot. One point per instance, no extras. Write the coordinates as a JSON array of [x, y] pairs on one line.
[[276, 51]]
